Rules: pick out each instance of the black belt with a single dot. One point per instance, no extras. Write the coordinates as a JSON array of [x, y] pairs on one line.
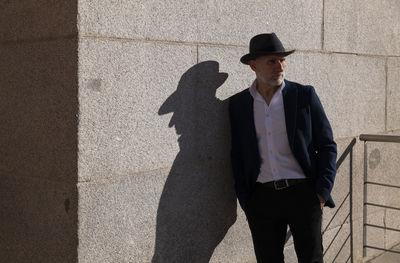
[[283, 183]]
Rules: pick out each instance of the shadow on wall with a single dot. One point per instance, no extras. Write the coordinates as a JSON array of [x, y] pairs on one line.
[[198, 204], [38, 151]]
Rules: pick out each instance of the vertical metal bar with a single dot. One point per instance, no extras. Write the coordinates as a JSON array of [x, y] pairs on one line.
[[364, 201], [351, 205]]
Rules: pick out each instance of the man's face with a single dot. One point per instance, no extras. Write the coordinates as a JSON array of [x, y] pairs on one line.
[[269, 70]]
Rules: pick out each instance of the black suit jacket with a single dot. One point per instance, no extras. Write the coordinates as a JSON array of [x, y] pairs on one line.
[[309, 134]]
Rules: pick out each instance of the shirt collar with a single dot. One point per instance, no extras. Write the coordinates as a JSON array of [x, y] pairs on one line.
[[257, 96]]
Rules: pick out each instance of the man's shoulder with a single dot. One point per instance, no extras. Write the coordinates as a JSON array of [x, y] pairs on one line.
[[296, 85], [300, 89], [244, 94]]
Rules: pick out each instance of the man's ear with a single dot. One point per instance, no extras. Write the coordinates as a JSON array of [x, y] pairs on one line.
[[252, 64]]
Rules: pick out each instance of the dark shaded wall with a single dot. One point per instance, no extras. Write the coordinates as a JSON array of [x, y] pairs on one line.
[[38, 135]]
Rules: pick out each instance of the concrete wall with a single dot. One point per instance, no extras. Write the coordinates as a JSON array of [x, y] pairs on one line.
[[38, 135], [149, 151]]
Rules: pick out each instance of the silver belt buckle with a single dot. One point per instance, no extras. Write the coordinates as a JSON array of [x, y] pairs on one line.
[[279, 187]]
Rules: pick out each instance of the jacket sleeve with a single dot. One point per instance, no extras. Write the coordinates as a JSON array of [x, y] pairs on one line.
[[325, 147]]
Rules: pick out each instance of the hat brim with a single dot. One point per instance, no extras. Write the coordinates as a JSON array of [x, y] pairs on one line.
[[246, 58]]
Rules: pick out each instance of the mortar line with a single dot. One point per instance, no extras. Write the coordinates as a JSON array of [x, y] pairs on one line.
[[170, 42], [113, 177], [37, 40], [394, 130], [323, 26], [206, 44], [40, 179], [197, 54], [384, 224], [386, 92]]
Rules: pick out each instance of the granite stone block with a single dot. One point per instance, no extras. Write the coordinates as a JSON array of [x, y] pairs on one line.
[[358, 26], [388, 257], [384, 163], [222, 22], [383, 195], [337, 80], [137, 107], [237, 245], [38, 105], [393, 94], [38, 220], [290, 254], [37, 19], [181, 215], [336, 243], [392, 221]]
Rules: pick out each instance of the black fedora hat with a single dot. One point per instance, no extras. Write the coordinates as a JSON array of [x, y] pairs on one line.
[[265, 45]]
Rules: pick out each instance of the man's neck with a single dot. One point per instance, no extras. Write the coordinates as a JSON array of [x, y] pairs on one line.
[[267, 92]]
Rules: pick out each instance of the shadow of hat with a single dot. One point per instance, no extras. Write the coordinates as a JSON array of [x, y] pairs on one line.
[[203, 77]]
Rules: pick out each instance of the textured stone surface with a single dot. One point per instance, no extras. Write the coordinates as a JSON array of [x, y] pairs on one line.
[[383, 195], [33, 19], [38, 108], [38, 135], [393, 94], [289, 254], [121, 212], [333, 240], [361, 26], [226, 22], [392, 221], [384, 164], [179, 215], [340, 81], [383, 168], [127, 93], [237, 245], [388, 257], [38, 220]]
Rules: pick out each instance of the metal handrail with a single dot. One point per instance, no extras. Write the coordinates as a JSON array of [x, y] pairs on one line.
[[379, 138], [386, 185], [348, 151], [345, 153], [375, 138], [334, 215]]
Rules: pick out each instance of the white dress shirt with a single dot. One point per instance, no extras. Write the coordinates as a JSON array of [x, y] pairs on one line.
[[277, 159]]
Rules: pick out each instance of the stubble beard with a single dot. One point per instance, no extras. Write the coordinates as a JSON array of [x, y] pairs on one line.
[[274, 82]]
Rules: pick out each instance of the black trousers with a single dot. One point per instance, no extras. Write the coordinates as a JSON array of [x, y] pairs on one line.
[[270, 211]]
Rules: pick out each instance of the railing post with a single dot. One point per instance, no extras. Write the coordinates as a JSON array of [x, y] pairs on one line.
[[351, 205], [364, 200]]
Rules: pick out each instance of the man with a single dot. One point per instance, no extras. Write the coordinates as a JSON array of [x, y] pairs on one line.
[[283, 156]]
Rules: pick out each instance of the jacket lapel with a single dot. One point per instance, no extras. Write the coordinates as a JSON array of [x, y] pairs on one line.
[[248, 109], [289, 95]]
